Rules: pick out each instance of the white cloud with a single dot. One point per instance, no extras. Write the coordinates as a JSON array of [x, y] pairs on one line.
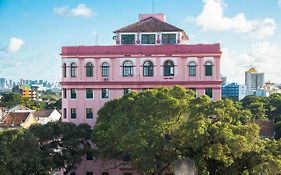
[[279, 3], [212, 18], [81, 10], [265, 56], [14, 45]]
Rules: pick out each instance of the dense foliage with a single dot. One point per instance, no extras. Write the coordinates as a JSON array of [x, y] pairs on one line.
[[12, 99], [43, 149], [152, 129]]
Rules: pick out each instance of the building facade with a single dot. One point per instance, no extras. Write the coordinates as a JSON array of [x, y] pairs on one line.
[[234, 91], [253, 79], [148, 54]]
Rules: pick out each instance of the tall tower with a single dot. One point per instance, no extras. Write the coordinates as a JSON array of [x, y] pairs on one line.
[[253, 79]]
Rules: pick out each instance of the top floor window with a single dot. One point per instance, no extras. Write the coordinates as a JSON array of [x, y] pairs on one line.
[[128, 69], [148, 39], [148, 69], [208, 68], [169, 39], [128, 39], [73, 70], [105, 69], [192, 69], [64, 70], [169, 68], [89, 70]]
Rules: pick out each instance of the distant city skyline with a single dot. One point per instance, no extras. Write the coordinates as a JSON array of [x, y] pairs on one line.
[[32, 32]]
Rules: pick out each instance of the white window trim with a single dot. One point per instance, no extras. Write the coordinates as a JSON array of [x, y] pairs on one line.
[[121, 34], [101, 94], [169, 33], [86, 94], [148, 34]]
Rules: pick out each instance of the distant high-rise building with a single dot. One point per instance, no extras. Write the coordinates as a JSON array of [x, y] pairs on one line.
[[2, 83], [234, 91], [253, 79]]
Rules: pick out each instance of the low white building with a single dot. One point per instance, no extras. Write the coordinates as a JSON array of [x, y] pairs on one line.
[[47, 115]]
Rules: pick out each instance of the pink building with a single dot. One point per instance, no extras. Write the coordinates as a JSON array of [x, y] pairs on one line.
[[148, 54]]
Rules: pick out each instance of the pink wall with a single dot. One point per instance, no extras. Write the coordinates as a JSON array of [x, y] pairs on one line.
[[181, 55]]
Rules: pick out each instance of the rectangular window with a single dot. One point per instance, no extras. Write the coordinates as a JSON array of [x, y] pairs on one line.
[[148, 39], [209, 92], [89, 113], [72, 173], [192, 71], [64, 91], [73, 93], [105, 173], [104, 93], [128, 39], [127, 91], [73, 113], [64, 113], [208, 70], [169, 39], [89, 93], [89, 173], [89, 155]]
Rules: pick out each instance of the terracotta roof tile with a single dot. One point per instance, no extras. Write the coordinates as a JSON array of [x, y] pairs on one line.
[[149, 24], [43, 113], [15, 118]]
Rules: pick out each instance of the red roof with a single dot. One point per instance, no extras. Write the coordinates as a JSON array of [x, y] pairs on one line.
[[150, 24], [43, 113], [15, 118], [166, 49]]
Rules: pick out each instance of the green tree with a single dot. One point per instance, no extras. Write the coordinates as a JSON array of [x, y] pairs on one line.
[[43, 149], [21, 154], [56, 105], [10, 100], [259, 106], [136, 128], [275, 106], [64, 143], [277, 129], [220, 138], [152, 129]]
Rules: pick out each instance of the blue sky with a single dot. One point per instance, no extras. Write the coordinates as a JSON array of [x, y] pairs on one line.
[[32, 32]]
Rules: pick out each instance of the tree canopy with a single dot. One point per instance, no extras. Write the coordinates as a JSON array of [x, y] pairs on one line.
[[153, 128], [43, 149]]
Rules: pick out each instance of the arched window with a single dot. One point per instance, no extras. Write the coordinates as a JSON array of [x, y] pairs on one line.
[[148, 69], [73, 70], [208, 68], [128, 69], [169, 68], [105, 69], [192, 69], [89, 69], [64, 70]]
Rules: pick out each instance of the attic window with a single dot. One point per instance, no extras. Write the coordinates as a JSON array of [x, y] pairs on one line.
[[148, 38], [169, 39], [128, 39]]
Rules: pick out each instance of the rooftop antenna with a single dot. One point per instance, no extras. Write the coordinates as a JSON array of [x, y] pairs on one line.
[[153, 7], [96, 39]]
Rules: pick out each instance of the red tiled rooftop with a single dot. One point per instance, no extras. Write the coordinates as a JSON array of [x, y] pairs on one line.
[[43, 113], [15, 119], [149, 24], [165, 49]]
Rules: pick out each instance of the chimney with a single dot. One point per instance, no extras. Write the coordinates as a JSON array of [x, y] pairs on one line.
[[160, 16]]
